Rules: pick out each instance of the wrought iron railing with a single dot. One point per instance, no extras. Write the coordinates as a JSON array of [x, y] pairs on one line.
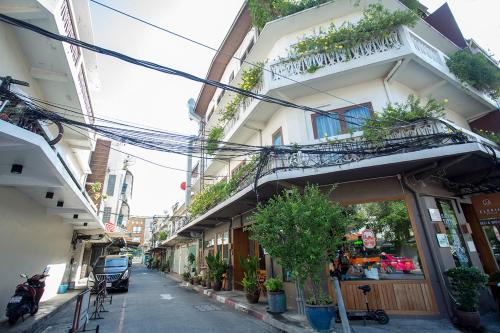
[[69, 28], [313, 61], [85, 93]]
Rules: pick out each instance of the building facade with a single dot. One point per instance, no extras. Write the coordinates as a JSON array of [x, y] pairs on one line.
[[430, 182], [136, 228], [46, 212]]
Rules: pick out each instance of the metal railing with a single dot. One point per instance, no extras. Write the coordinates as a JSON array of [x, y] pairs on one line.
[[69, 29], [82, 81]]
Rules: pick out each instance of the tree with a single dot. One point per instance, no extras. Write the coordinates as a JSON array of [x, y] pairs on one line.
[[300, 230]]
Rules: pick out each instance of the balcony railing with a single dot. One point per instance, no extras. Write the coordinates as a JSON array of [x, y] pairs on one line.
[[82, 81], [69, 28], [313, 61]]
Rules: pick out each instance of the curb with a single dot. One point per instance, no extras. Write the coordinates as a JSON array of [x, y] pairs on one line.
[[238, 306]]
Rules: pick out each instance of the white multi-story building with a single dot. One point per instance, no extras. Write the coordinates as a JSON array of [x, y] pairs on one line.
[[435, 179], [44, 205]]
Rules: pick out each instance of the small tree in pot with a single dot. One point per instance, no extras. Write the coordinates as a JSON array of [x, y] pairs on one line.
[[299, 230], [276, 299], [466, 286], [250, 281], [216, 268]]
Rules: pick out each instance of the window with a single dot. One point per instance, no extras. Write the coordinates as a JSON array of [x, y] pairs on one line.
[[278, 137], [111, 185], [124, 188], [210, 113], [380, 244], [341, 120], [247, 50], [119, 221], [223, 245], [106, 215], [231, 77], [136, 239], [220, 96], [136, 230]]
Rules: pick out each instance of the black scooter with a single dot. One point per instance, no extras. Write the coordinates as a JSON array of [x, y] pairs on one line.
[[378, 315]]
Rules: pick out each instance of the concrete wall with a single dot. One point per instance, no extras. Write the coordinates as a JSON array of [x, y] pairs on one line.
[[30, 240]]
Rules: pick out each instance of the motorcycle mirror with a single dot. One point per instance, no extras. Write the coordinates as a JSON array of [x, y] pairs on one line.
[[23, 276]]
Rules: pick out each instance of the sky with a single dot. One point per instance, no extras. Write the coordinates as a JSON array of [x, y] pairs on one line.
[[138, 95]]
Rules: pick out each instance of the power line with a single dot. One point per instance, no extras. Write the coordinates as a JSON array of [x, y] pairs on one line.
[[216, 50], [165, 69]]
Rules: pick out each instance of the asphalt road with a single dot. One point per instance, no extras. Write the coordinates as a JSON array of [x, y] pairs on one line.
[[157, 304]]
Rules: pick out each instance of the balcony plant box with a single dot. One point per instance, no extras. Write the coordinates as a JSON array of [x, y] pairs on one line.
[[466, 286], [276, 299]]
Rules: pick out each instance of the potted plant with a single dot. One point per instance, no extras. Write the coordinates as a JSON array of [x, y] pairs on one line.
[[191, 261], [217, 267], [494, 283], [186, 276], [300, 229], [196, 280], [466, 285], [250, 281], [276, 299]]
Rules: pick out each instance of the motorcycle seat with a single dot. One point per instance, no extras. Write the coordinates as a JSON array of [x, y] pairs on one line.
[[366, 288]]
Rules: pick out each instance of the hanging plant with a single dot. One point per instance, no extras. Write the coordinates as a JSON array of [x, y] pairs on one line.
[[476, 70], [492, 136], [214, 136], [377, 23], [250, 78], [379, 127]]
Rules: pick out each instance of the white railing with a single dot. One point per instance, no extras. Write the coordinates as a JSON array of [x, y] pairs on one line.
[[69, 28], [82, 81], [426, 50], [314, 61]]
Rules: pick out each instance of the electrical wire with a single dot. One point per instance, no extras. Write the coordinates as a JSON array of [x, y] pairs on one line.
[[167, 70]]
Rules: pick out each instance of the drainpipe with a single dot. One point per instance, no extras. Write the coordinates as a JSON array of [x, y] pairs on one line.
[[428, 238], [388, 77], [192, 116]]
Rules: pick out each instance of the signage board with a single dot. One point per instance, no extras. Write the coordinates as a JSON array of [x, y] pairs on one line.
[[443, 240], [435, 215], [369, 240], [487, 208]]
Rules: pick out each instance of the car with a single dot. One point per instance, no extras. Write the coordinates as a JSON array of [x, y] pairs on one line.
[[114, 269], [391, 264]]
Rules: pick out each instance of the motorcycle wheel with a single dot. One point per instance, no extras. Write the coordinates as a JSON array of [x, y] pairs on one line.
[[13, 319], [381, 317], [34, 309]]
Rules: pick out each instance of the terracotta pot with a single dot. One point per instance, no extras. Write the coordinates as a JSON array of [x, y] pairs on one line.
[[468, 319], [217, 285], [253, 297]]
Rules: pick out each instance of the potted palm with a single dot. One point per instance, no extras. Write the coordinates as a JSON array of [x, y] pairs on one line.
[[186, 276], [276, 299], [466, 285], [216, 267], [250, 281], [299, 229]]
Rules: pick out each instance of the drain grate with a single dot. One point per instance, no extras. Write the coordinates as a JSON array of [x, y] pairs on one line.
[[206, 307]]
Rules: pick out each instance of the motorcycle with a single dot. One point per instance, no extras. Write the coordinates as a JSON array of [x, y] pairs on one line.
[[26, 297]]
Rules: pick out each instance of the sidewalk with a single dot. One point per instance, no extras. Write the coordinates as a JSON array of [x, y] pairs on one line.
[[291, 322], [48, 309]]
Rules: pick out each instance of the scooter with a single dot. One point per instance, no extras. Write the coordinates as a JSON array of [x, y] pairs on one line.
[[26, 297], [378, 315]]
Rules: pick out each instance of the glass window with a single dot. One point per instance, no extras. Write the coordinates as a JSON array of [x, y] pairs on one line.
[[493, 235], [278, 138], [111, 185], [327, 126], [106, 216], [356, 117], [455, 238], [380, 244]]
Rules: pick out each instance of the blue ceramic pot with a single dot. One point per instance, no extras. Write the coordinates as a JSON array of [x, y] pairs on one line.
[[320, 316], [276, 301]]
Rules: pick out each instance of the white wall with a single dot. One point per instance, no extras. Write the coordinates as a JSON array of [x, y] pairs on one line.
[[30, 241]]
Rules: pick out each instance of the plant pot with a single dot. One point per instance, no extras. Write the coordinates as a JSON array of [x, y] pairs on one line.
[[468, 319], [320, 316], [253, 297], [276, 301], [217, 285], [191, 280], [196, 281], [209, 284]]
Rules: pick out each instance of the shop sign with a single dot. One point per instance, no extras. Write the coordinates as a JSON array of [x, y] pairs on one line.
[[487, 207], [435, 215], [443, 240], [489, 222], [369, 240]]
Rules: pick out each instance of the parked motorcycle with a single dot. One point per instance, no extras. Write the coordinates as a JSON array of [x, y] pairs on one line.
[[26, 297]]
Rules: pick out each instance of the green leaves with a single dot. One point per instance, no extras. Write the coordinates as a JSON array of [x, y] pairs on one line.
[[214, 136], [162, 235], [299, 230], [250, 281], [476, 70], [466, 284], [216, 266], [380, 126], [377, 23], [274, 284]]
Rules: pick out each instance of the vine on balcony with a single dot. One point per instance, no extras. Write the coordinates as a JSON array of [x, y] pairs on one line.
[[250, 78], [216, 193], [381, 124], [263, 11], [476, 70], [377, 23], [214, 136], [492, 136]]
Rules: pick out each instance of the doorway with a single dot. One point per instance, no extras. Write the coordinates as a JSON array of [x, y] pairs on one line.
[[243, 246]]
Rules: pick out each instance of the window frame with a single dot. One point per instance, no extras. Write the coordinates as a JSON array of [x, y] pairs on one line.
[[278, 132], [340, 112]]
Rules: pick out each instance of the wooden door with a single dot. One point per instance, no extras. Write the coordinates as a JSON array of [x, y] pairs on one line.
[[240, 249]]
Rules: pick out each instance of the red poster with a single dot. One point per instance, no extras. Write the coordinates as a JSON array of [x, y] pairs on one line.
[[369, 240]]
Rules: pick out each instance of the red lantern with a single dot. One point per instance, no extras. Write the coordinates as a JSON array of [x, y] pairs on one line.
[[183, 186]]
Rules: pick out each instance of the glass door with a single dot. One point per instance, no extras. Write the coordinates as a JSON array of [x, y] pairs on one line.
[[493, 235]]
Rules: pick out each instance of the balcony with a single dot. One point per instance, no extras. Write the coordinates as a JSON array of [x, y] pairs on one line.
[[423, 69]]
